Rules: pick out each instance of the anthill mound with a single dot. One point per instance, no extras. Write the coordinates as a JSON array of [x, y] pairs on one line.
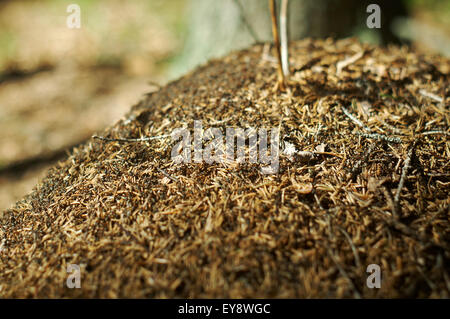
[[363, 179]]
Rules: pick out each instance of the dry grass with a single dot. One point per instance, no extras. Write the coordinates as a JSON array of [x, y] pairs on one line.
[[368, 185]]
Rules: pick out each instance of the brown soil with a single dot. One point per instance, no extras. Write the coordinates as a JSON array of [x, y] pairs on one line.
[[43, 118], [369, 186]]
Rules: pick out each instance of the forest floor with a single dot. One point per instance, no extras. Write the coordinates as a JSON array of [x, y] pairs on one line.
[[58, 90], [363, 179]]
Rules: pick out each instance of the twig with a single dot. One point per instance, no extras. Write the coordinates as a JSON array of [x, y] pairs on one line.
[[245, 21], [405, 169], [318, 201], [265, 54], [431, 96], [344, 274], [355, 252], [375, 136], [390, 200], [435, 132], [380, 137], [399, 226], [130, 140], [354, 119], [392, 128], [276, 40], [284, 37], [344, 63], [328, 153], [167, 175]]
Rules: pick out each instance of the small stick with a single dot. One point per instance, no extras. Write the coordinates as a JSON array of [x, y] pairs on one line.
[[354, 119], [392, 128], [328, 153], [355, 252], [130, 140], [431, 96], [284, 37], [380, 137], [167, 175], [344, 63], [403, 177], [390, 200], [399, 226], [435, 132], [276, 40], [344, 274]]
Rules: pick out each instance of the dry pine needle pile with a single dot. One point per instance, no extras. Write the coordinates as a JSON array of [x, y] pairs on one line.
[[363, 179]]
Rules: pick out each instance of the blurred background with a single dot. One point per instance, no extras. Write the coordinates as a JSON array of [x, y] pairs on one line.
[[58, 86]]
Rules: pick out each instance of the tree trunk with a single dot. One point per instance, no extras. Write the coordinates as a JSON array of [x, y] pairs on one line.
[[217, 27]]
